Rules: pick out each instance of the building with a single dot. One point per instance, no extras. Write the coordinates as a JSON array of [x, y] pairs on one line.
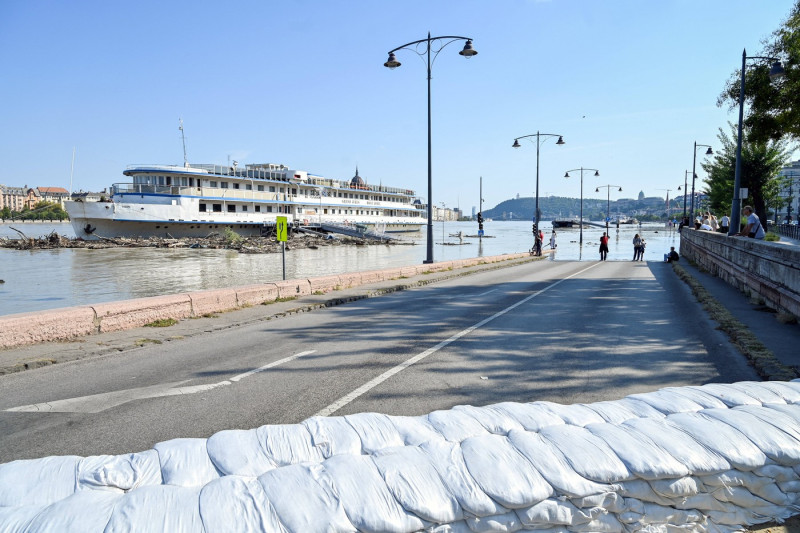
[[14, 198], [790, 191], [54, 195]]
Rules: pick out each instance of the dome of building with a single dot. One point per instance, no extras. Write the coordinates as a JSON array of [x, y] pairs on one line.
[[357, 182]]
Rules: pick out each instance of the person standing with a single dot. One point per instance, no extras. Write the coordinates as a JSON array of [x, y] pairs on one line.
[[724, 224], [553, 240], [637, 247], [753, 229], [603, 247]]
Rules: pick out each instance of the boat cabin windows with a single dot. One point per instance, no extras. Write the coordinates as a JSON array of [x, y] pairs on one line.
[[261, 188], [258, 208], [248, 187], [202, 208], [269, 209], [244, 208], [235, 185], [212, 183], [271, 189], [231, 208], [217, 208], [223, 184]]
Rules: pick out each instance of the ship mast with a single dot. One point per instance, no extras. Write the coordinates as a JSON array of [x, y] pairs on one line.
[[183, 139]]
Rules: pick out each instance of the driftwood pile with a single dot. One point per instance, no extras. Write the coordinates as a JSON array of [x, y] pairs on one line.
[[251, 245]]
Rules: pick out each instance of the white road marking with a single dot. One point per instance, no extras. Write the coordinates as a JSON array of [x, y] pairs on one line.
[[96, 403], [484, 293], [344, 400]]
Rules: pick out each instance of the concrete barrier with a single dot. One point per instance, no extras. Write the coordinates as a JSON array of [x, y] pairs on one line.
[[768, 270], [129, 314], [71, 322]]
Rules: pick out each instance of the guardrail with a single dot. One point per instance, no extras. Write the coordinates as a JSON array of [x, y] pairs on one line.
[[789, 230]]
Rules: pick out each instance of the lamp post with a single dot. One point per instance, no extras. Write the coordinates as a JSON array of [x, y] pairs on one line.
[[426, 51], [775, 72], [694, 163], [608, 201], [566, 175], [668, 191], [685, 190], [539, 140]]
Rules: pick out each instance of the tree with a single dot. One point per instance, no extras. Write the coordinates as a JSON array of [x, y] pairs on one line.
[[773, 109], [762, 162], [5, 213]]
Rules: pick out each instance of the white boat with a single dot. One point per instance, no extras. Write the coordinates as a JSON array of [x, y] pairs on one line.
[[198, 200]]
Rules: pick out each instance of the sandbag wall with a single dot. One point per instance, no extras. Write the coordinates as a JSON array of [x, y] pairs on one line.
[[710, 458]]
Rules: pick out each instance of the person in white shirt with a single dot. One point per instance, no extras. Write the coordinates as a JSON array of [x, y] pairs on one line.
[[725, 224], [753, 229]]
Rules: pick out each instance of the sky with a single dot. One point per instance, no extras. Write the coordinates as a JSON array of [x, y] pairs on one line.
[[630, 84]]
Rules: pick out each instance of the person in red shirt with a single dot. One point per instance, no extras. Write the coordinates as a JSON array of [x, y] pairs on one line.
[[603, 247]]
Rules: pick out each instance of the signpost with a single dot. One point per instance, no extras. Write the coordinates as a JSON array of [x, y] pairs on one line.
[[281, 233]]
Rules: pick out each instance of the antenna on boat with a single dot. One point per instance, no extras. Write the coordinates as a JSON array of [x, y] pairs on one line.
[[183, 139], [71, 171]]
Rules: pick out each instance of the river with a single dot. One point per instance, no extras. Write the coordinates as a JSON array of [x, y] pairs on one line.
[[48, 279]]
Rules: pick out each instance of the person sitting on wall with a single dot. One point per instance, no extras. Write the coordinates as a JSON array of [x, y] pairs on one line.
[[672, 255]]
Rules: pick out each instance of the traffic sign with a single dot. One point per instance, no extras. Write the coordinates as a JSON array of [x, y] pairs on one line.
[[480, 233], [281, 228]]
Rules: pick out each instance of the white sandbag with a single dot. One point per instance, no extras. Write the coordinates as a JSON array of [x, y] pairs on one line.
[[366, 500], [552, 512], [37, 481], [414, 430], [333, 436], [658, 514], [587, 454], [494, 421], [618, 411], [531, 416], [701, 397], [731, 396], [784, 417], [775, 444], [455, 426], [503, 472], [17, 519], [762, 487], [185, 462], [288, 444], [157, 508], [777, 473], [456, 527], [375, 430], [756, 390], [238, 452], [705, 502], [740, 497], [677, 488], [789, 391], [501, 523], [668, 401], [414, 483], [119, 473], [304, 499], [553, 467], [575, 415], [235, 503], [731, 444], [610, 502], [641, 456], [84, 511], [640, 491], [603, 523], [448, 460], [697, 457], [789, 486]]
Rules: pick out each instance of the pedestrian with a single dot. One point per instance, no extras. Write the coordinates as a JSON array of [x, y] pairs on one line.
[[537, 245], [641, 250], [712, 221], [672, 255], [553, 240], [603, 247], [637, 247], [753, 229], [541, 236], [724, 224]]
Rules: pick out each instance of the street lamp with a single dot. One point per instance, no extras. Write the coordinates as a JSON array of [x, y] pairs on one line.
[[775, 72], [392, 63], [566, 175], [539, 140], [685, 190], [608, 201], [694, 163]]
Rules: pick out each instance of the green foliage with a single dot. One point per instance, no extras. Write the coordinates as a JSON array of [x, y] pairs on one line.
[[5, 213], [761, 164], [772, 108], [772, 237], [161, 323], [231, 237], [40, 211]]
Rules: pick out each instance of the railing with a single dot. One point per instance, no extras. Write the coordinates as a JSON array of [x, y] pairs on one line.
[[789, 230]]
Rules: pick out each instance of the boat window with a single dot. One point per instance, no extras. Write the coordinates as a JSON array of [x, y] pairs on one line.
[[223, 184], [235, 185], [261, 188], [231, 208], [244, 208], [202, 208], [212, 183], [217, 208], [248, 187], [271, 188], [269, 209], [258, 209]]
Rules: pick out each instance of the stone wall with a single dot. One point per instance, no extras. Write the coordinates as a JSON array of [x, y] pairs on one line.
[[769, 270]]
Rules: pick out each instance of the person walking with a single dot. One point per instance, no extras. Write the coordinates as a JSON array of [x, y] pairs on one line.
[[637, 247], [553, 240], [724, 224], [603, 247]]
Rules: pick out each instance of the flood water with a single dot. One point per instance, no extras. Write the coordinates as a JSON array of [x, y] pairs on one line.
[[48, 279]]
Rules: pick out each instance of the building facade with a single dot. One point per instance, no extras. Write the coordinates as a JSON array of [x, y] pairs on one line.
[[790, 191]]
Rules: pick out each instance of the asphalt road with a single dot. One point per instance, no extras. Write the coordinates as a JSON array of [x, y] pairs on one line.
[[566, 332]]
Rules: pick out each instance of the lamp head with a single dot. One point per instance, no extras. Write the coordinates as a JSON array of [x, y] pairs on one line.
[[392, 62], [566, 174], [597, 189], [620, 189], [468, 51], [709, 151], [679, 188], [516, 144], [560, 140], [776, 72], [597, 173]]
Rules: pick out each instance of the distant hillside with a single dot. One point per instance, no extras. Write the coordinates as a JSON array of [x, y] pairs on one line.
[[593, 209]]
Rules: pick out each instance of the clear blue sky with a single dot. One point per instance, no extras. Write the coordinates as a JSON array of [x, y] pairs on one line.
[[630, 84]]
